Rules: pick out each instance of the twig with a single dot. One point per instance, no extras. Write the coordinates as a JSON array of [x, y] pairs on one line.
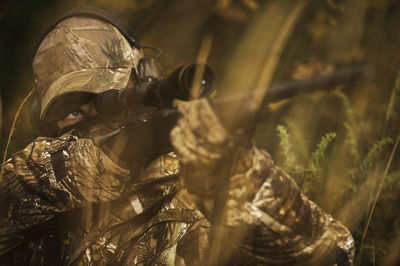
[[12, 131], [391, 102], [376, 198], [219, 208], [201, 62]]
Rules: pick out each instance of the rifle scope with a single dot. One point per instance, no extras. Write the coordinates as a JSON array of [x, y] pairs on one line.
[[159, 93]]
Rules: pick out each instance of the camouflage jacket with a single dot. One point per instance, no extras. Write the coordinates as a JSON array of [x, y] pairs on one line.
[[65, 202]]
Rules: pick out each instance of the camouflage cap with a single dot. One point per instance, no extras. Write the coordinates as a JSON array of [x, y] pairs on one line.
[[82, 54]]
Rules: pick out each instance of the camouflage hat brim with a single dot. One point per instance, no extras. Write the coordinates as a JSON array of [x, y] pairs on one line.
[[86, 81]]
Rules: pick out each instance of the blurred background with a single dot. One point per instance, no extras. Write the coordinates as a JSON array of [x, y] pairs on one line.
[[340, 146]]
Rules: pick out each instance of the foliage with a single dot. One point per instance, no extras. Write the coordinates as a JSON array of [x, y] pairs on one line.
[[350, 136], [289, 162], [308, 174], [336, 146], [362, 172], [319, 152]]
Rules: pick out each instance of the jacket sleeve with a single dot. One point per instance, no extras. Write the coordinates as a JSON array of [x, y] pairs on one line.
[[50, 177], [278, 224], [268, 220]]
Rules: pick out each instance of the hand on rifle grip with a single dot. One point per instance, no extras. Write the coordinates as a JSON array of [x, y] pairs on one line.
[[201, 142]]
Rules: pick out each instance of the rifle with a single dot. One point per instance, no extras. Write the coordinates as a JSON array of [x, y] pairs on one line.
[[145, 139], [151, 136]]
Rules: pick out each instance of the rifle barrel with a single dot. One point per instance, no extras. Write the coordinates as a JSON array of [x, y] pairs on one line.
[[241, 105]]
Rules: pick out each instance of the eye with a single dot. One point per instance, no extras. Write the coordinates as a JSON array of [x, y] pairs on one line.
[[77, 115], [74, 115]]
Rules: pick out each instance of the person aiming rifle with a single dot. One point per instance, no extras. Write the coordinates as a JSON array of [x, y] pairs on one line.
[[105, 185]]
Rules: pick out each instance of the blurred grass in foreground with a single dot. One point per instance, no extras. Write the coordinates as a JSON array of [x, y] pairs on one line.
[[336, 145]]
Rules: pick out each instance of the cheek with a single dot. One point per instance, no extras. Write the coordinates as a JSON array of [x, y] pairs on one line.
[[68, 121], [63, 123]]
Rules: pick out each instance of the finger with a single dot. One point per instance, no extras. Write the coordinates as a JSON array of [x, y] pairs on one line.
[[191, 113], [178, 141], [203, 121], [216, 133], [205, 154]]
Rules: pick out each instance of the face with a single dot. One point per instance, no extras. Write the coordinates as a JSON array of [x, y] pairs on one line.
[[84, 111]]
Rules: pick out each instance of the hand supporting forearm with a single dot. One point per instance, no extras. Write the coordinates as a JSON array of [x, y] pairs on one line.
[[282, 227]]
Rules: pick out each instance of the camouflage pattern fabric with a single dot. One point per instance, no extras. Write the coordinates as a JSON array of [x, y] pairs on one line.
[[278, 225], [82, 54], [66, 202]]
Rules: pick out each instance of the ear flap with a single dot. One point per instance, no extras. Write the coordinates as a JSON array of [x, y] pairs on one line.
[[149, 70]]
